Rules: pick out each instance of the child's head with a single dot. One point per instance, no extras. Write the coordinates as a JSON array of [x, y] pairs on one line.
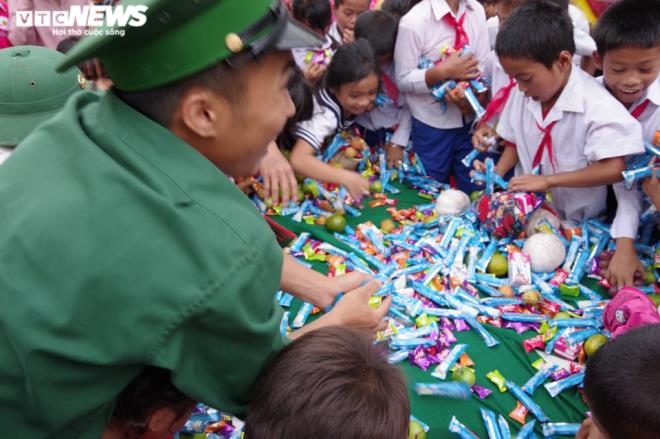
[[379, 28], [622, 385], [398, 8], [353, 77], [150, 407], [347, 11], [302, 95], [316, 14], [628, 39], [490, 7], [504, 8], [331, 382], [535, 46]]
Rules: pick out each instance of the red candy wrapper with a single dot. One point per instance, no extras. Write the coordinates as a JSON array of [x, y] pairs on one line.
[[564, 350], [560, 277], [533, 343]]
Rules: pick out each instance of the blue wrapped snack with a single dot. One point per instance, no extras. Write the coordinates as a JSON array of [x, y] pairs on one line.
[[452, 389]]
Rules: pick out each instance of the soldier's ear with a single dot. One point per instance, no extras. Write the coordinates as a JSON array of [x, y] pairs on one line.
[[203, 113]]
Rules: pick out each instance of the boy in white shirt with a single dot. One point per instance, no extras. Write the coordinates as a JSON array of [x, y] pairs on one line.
[[559, 117], [440, 136], [342, 30], [628, 39]]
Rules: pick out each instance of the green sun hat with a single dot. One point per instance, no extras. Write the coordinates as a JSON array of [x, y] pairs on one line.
[[30, 90], [183, 37]]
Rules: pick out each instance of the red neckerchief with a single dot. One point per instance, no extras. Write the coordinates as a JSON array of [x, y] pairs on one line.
[[546, 143], [461, 39], [391, 90], [496, 104], [640, 109]]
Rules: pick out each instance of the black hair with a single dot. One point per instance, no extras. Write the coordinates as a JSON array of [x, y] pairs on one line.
[[622, 384], [151, 390], [629, 23], [379, 28], [398, 8], [329, 383], [160, 103], [561, 3], [351, 63], [302, 95], [316, 13], [538, 31], [340, 2]]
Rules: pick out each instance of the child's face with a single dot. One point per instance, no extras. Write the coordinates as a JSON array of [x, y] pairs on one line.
[[629, 71], [347, 13], [358, 97], [535, 80], [490, 8]]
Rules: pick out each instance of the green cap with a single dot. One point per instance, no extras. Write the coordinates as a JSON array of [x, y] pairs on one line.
[[183, 37], [30, 90]]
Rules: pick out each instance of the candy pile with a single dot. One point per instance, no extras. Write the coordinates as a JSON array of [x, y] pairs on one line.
[[448, 273]]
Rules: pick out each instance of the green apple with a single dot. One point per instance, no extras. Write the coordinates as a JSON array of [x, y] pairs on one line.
[[465, 374]]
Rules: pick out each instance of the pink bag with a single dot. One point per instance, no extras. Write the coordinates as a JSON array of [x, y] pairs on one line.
[[629, 309]]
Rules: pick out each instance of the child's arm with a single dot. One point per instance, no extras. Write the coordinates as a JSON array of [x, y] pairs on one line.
[[623, 265], [507, 161], [305, 163], [600, 173]]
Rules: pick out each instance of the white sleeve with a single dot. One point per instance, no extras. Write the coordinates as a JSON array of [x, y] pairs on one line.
[[402, 134], [407, 53], [629, 208], [314, 131], [481, 44], [612, 132], [505, 123]]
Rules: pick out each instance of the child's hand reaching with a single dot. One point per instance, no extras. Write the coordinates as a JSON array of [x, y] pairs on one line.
[[481, 138], [394, 154], [651, 186], [621, 268], [356, 185], [530, 183]]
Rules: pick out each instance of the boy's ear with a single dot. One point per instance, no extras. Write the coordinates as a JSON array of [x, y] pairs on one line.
[[598, 60], [160, 422], [565, 59]]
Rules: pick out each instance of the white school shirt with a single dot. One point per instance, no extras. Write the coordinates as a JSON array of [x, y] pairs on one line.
[[591, 126], [493, 25], [327, 118], [389, 116], [629, 202], [422, 33]]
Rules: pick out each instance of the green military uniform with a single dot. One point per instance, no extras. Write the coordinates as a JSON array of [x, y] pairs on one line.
[[121, 246]]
